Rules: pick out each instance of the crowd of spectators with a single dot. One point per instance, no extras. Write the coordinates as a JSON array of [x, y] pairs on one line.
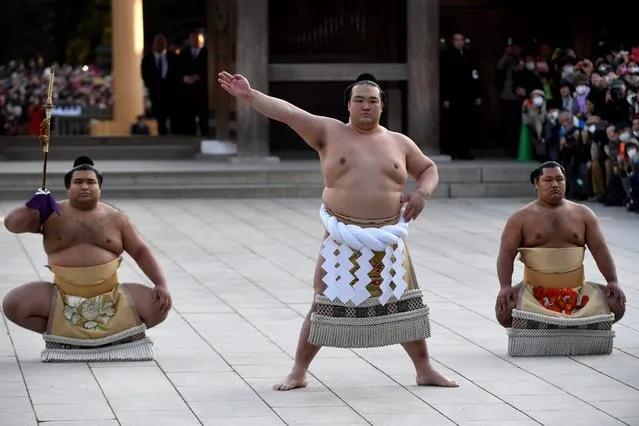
[[78, 91], [582, 112], [175, 91]]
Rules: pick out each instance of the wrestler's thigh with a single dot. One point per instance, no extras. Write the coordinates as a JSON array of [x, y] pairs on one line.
[[143, 300], [29, 300]]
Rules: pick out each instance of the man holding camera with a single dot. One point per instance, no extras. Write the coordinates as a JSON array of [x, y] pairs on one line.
[[617, 108], [596, 138], [573, 156]]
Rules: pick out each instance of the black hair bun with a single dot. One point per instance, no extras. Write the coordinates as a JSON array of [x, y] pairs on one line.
[[366, 76], [82, 160]]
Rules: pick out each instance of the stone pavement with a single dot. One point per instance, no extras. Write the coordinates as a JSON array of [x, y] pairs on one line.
[[240, 273]]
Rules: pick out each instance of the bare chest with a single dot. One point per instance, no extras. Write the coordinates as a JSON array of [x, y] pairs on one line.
[[554, 230], [369, 159], [96, 230]]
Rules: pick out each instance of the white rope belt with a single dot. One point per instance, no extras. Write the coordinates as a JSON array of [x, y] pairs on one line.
[[344, 240]]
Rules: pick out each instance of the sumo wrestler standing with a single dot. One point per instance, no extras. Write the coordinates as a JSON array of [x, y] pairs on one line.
[[365, 168]]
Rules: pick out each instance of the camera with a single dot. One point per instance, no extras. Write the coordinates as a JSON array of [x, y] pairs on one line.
[[599, 135]]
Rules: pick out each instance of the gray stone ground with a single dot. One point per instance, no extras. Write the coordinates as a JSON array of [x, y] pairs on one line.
[[240, 272]]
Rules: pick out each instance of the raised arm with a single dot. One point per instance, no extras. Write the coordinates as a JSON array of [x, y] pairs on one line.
[[34, 215], [311, 128], [23, 220]]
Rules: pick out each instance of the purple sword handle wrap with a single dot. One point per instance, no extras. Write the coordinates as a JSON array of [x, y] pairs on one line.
[[44, 203]]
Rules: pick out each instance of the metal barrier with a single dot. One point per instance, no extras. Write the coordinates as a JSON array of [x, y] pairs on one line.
[[69, 121], [79, 122]]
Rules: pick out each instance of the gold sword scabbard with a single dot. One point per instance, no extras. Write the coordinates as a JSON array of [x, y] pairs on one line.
[[45, 126]]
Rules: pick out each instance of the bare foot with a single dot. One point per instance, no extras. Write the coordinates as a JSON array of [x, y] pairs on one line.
[[432, 377], [292, 381]]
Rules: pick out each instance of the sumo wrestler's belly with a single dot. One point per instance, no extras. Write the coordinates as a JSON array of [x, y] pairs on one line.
[[375, 203], [81, 255]]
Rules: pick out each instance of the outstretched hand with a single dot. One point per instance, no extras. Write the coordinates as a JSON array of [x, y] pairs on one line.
[[236, 85], [416, 203]]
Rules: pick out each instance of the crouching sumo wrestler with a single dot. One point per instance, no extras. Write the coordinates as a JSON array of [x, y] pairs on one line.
[[554, 310], [85, 314]]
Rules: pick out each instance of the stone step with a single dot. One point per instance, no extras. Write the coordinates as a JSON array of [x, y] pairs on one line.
[[200, 178], [170, 178], [308, 190], [204, 173], [181, 191], [91, 141], [101, 153]]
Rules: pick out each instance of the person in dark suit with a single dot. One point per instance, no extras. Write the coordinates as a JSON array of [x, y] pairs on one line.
[[194, 85], [160, 74], [460, 93]]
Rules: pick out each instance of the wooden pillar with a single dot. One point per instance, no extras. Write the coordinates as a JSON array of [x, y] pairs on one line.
[[211, 63], [582, 34], [394, 110], [128, 46], [423, 73], [220, 26], [252, 62], [128, 87]]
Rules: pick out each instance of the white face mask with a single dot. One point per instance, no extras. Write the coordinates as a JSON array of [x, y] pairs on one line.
[[530, 66], [632, 153], [538, 100], [634, 70], [635, 132], [568, 70], [554, 115], [624, 137], [580, 89], [591, 129]]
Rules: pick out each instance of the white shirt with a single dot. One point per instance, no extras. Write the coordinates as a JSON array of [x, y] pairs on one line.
[[161, 63]]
